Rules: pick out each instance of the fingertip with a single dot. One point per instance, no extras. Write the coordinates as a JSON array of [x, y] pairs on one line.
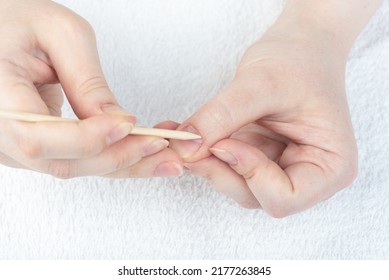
[[187, 149], [267, 181], [225, 180], [191, 150], [230, 151], [224, 155]]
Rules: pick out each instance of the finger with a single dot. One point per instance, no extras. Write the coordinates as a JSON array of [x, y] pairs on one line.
[[17, 91], [225, 180], [261, 139], [224, 114], [280, 192], [123, 155], [167, 125], [165, 163], [220, 175], [62, 140], [119, 156], [5, 147], [10, 162], [75, 58], [32, 64], [52, 96]]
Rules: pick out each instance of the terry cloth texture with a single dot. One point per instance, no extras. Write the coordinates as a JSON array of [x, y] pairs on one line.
[[163, 59]]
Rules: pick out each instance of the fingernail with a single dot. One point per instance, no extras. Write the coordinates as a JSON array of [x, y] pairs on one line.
[[187, 149], [168, 169], [155, 146], [119, 132], [224, 156], [115, 109]]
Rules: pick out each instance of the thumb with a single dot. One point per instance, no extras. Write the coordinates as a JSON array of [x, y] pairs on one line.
[[72, 51], [281, 191], [235, 107]]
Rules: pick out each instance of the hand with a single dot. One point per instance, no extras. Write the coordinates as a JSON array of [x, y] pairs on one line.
[[280, 134], [43, 46]]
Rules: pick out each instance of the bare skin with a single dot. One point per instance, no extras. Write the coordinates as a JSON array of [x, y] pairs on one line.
[[45, 46], [280, 135]]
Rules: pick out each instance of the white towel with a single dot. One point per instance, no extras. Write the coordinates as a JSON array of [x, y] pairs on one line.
[[163, 59]]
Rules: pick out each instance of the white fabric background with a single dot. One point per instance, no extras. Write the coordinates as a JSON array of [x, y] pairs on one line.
[[163, 59]]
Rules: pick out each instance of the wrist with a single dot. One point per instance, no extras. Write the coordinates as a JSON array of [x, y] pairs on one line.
[[334, 23], [311, 32], [310, 39]]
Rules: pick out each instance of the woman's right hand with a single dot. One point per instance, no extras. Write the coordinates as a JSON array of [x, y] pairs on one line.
[[45, 46]]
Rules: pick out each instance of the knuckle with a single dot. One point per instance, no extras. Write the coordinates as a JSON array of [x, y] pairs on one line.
[[30, 148], [62, 169], [92, 84], [76, 26], [219, 113], [84, 27]]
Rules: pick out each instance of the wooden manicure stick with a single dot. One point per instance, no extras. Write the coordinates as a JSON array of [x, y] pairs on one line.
[[164, 133]]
